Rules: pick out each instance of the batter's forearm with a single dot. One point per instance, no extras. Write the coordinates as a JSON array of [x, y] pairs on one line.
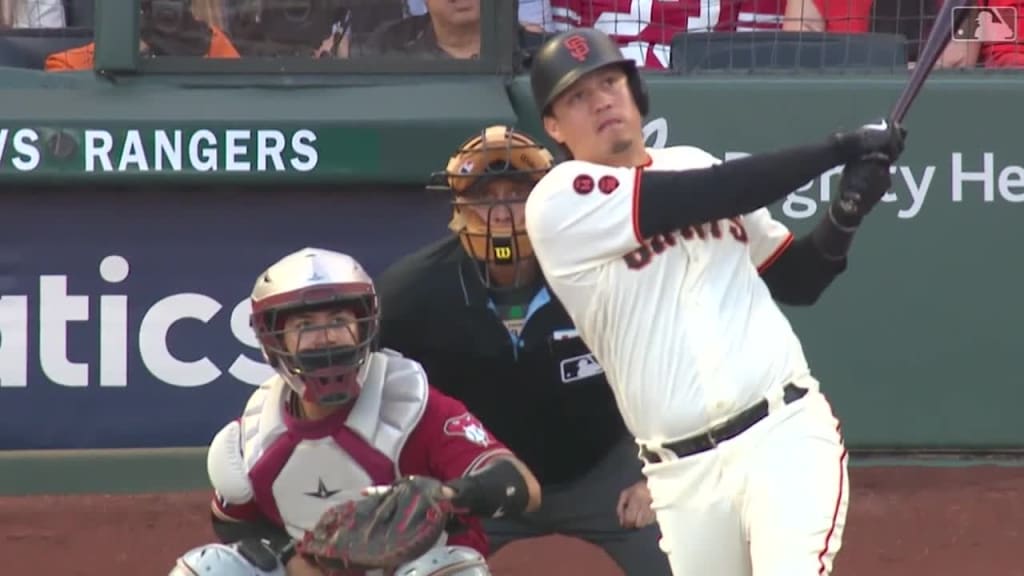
[[802, 273], [669, 201]]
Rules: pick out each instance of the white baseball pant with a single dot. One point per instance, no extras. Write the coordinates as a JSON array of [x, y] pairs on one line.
[[770, 502]]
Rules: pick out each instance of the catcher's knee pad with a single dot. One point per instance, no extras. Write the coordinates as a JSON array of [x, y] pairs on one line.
[[447, 561], [247, 558]]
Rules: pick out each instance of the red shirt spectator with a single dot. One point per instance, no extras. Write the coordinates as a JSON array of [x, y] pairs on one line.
[[1005, 54], [840, 16], [855, 16], [644, 28]]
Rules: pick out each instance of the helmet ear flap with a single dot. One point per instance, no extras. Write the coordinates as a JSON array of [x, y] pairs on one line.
[[639, 89]]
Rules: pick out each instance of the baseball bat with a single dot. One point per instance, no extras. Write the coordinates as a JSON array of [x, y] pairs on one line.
[[941, 32]]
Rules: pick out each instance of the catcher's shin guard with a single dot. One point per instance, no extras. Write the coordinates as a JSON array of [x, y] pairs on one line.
[[446, 561]]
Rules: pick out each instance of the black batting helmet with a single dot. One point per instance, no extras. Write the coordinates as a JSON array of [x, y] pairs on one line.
[[568, 56]]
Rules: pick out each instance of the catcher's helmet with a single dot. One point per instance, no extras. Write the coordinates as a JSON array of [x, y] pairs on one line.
[[247, 558], [568, 56], [447, 561], [496, 153], [305, 281]]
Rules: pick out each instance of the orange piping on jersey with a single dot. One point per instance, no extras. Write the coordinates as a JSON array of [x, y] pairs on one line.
[[636, 199], [775, 255], [835, 512]]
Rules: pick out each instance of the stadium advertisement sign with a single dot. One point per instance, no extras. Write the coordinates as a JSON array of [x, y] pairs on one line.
[[124, 322], [203, 150]]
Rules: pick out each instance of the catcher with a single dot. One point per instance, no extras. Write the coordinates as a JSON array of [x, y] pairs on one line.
[[341, 416]]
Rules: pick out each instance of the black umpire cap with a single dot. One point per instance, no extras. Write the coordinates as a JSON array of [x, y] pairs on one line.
[[568, 56]]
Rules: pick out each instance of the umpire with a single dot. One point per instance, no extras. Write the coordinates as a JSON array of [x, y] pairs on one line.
[[475, 310]]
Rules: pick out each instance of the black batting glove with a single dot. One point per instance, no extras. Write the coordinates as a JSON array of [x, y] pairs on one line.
[[861, 186], [878, 138]]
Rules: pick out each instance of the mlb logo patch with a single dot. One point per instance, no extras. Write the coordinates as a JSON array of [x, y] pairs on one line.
[[580, 368]]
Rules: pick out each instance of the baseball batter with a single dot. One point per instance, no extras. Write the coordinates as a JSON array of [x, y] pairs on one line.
[[508, 350], [670, 266], [342, 415]]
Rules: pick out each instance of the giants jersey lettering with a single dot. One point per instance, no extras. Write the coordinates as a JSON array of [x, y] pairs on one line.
[[682, 323], [644, 28]]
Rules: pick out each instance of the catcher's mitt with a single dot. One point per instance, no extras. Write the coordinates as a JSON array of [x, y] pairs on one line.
[[382, 531]]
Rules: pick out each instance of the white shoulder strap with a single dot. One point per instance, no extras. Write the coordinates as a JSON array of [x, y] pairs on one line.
[[391, 403], [261, 421]]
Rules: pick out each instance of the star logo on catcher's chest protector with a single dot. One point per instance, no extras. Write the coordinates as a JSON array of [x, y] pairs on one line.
[[321, 491]]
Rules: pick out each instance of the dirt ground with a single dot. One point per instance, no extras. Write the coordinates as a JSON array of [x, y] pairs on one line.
[[921, 521]]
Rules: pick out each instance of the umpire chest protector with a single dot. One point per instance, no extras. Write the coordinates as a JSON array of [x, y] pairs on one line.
[[295, 470], [536, 386]]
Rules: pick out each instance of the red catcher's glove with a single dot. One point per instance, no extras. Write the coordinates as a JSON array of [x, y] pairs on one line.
[[380, 531]]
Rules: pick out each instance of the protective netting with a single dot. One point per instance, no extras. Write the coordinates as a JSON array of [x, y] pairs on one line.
[[687, 36], [700, 36]]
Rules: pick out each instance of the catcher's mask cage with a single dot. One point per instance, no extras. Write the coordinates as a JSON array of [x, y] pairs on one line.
[[447, 561], [498, 153], [248, 558], [309, 281]]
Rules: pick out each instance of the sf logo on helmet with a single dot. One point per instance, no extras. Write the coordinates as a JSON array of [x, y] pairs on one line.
[[577, 47]]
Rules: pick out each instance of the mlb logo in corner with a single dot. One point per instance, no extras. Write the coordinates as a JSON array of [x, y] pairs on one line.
[[990, 24]]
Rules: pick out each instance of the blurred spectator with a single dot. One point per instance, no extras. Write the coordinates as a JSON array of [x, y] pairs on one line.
[[32, 14], [337, 43], [449, 29], [534, 15], [993, 48], [856, 16], [1002, 54], [839, 16], [209, 11], [167, 28], [861, 16], [645, 28], [321, 28]]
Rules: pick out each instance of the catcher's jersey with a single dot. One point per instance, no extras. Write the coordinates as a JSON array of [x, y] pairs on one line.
[[644, 28], [290, 471], [682, 323]]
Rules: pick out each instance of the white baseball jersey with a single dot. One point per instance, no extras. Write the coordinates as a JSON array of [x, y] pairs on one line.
[[683, 325]]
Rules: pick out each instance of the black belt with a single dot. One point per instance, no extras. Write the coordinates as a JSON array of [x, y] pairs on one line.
[[725, 431]]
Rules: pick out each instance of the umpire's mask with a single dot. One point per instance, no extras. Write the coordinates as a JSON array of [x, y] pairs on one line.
[[490, 177]]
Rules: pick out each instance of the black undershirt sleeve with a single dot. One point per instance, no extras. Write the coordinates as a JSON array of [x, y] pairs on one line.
[[801, 274], [668, 201], [808, 266]]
